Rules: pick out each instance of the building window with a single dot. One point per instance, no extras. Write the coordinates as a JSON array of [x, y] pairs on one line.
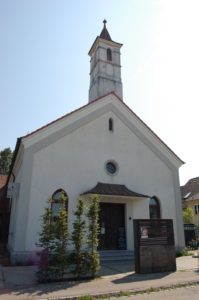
[[154, 208], [196, 209], [110, 124], [111, 168], [109, 54], [59, 198]]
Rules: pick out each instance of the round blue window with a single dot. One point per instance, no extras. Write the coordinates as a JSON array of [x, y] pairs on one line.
[[111, 167]]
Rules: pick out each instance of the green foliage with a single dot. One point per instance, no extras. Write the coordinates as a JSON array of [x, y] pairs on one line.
[[60, 239], [78, 238], [194, 244], [5, 160], [46, 242], [46, 235], [93, 240], [54, 259], [188, 215], [88, 297], [53, 239], [184, 252]]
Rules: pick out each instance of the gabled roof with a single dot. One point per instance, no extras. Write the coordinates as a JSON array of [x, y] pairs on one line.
[[93, 103], [113, 189], [90, 104], [190, 189], [68, 114]]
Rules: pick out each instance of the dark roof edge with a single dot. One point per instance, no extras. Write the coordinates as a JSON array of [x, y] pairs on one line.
[[48, 124], [13, 159], [190, 180], [153, 133], [113, 190], [70, 113]]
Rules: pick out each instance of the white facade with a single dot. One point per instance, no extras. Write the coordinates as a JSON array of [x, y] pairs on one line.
[[71, 154]]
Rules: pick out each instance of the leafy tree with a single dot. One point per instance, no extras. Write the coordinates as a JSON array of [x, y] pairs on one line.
[[93, 240], [78, 238], [188, 215], [60, 225], [5, 160], [46, 242], [53, 239]]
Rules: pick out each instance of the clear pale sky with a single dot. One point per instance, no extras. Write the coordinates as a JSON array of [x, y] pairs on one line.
[[44, 66]]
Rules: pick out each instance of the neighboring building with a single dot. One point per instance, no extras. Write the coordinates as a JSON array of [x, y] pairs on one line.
[[4, 209], [190, 197], [101, 148], [3, 179]]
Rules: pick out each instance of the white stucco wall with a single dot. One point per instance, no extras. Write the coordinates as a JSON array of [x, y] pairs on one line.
[[76, 161]]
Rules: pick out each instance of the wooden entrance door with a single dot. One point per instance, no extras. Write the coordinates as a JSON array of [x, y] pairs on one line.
[[112, 227]]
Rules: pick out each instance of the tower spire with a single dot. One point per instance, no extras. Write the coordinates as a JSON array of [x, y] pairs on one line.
[[104, 33], [105, 68]]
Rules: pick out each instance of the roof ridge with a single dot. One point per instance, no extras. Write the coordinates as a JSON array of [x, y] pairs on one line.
[[70, 113], [79, 109]]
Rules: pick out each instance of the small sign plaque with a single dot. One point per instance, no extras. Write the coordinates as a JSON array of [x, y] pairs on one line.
[[154, 245]]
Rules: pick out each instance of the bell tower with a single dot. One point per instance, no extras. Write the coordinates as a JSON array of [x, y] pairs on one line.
[[105, 68]]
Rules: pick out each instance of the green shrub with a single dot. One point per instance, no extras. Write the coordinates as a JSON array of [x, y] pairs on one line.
[[93, 240], [54, 258], [194, 244], [53, 240], [79, 257], [183, 252]]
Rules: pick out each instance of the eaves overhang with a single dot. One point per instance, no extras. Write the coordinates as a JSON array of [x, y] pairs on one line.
[[109, 189], [110, 43]]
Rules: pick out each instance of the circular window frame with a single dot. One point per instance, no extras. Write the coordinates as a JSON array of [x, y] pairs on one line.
[[115, 164]]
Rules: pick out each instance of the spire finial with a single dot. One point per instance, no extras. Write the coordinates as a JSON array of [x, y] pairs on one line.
[[104, 34]]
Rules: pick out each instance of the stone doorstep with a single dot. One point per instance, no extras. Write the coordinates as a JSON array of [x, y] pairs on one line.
[[116, 255]]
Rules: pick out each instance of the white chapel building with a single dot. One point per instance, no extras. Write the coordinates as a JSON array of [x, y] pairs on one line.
[[101, 148]]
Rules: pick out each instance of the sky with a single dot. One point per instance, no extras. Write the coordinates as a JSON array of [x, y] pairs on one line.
[[44, 65]]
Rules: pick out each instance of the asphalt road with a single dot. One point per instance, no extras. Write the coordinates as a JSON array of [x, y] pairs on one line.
[[184, 293]]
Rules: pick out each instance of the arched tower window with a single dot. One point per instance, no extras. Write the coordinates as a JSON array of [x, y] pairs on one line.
[[110, 124], [154, 208], [109, 54], [59, 198]]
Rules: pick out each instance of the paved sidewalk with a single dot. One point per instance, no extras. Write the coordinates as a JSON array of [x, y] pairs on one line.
[[20, 282]]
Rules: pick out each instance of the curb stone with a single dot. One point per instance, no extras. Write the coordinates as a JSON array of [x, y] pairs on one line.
[[127, 292]]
